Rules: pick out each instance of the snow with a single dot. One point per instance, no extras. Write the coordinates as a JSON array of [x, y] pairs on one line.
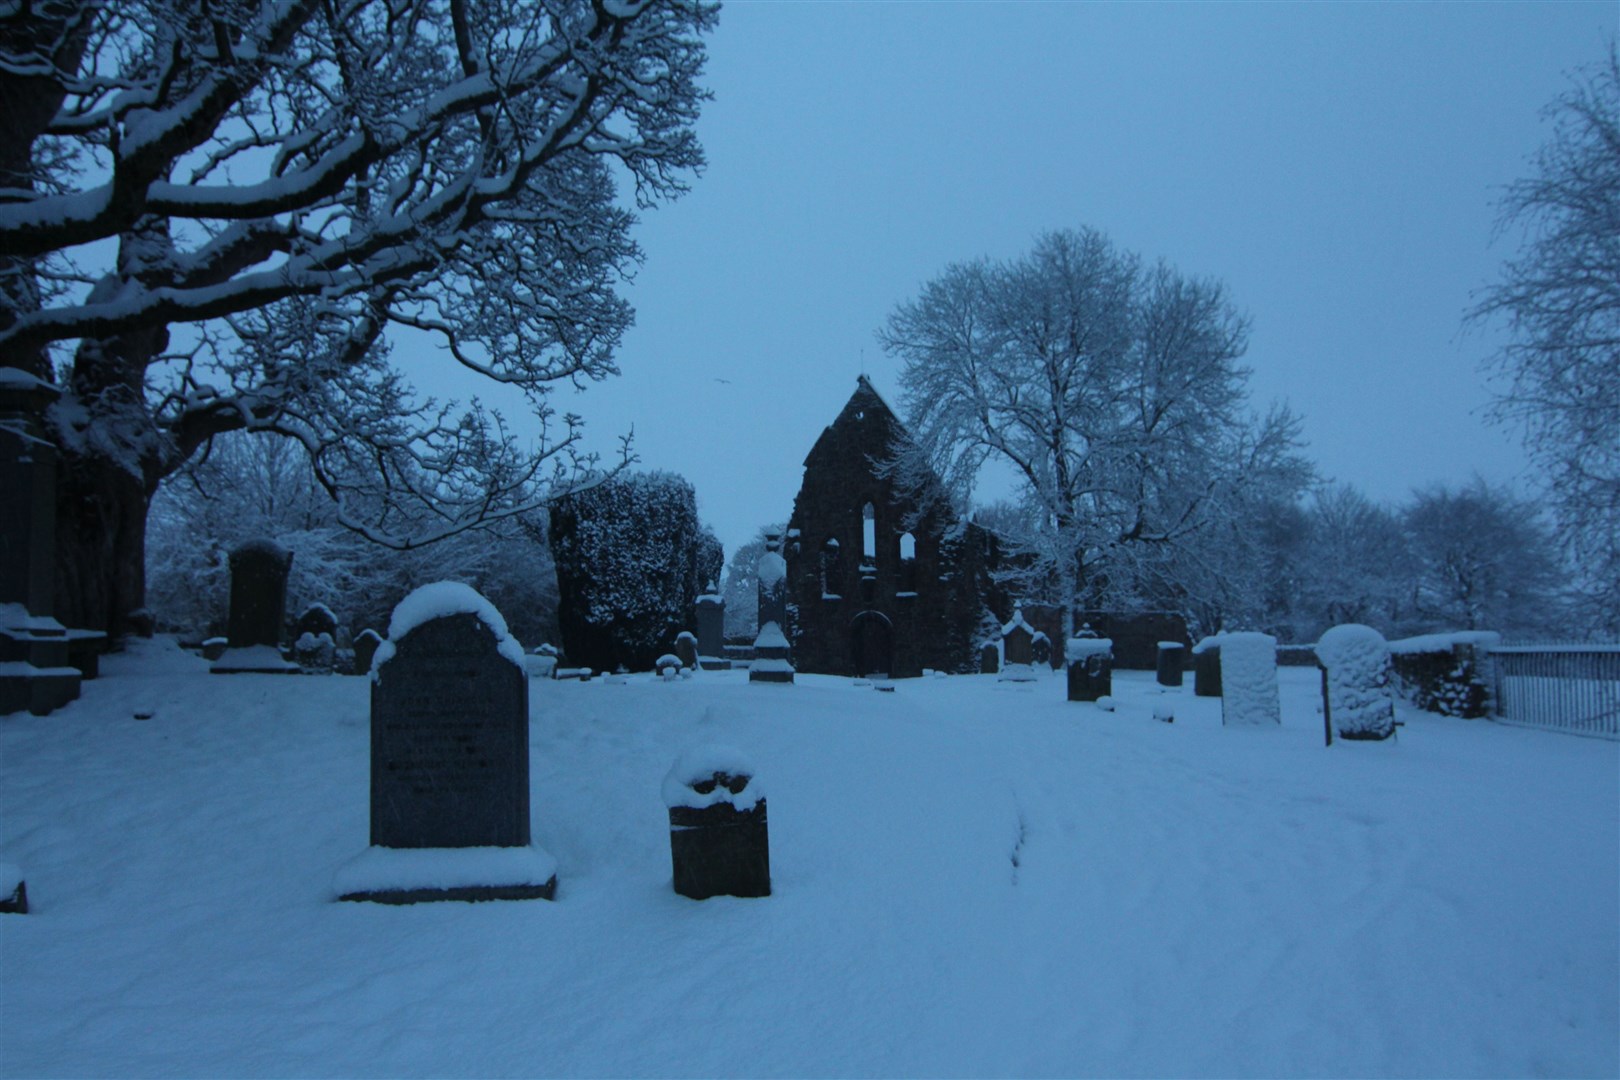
[[435, 601], [17, 617], [1357, 661], [963, 884], [1249, 679], [1432, 643], [1017, 621], [1205, 644], [11, 876], [771, 637], [772, 568], [703, 763], [1088, 646], [266, 658], [380, 869]]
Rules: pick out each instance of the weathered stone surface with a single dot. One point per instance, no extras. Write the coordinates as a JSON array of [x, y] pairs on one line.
[[449, 741]]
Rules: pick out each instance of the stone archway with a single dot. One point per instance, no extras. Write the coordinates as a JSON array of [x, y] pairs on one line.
[[871, 644]]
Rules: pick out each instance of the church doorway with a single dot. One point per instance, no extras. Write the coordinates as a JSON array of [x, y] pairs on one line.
[[872, 641]]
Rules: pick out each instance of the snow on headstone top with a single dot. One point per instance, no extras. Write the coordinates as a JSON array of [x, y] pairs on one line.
[[1088, 646], [686, 635], [1212, 642], [1353, 646], [699, 767], [1171, 645], [262, 546], [772, 568], [1435, 643], [771, 636], [437, 600]]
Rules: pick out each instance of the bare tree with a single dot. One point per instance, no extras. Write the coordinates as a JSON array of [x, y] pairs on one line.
[[1560, 300], [293, 180], [1112, 390]]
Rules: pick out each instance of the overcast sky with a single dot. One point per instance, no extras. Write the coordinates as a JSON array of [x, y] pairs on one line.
[[1336, 165]]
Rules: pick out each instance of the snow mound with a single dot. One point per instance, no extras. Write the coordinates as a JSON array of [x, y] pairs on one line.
[[1249, 696], [699, 766], [771, 637], [437, 600]]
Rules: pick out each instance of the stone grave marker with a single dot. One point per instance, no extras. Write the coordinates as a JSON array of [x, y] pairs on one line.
[[1249, 695], [1207, 667], [686, 649], [989, 658], [711, 631], [1018, 650], [449, 759], [365, 647], [772, 661], [258, 608], [1172, 658], [718, 839], [1091, 668]]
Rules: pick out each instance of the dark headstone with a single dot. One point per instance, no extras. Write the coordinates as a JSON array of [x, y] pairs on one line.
[[1207, 671], [449, 741], [214, 648], [1091, 669], [722, 849], [989, 658], [1040, 650], [1172, 659], [1017, 645], [258, 593], [365, 647], [711, 627]]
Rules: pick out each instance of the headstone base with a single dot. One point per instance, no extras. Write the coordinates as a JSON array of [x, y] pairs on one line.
[[381, 875], [253, 660], [713, 663], [1018, 673]]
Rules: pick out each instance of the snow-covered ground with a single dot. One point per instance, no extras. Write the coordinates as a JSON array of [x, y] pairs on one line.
[[971, 877]]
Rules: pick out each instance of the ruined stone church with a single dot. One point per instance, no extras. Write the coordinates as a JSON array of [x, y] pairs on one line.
[[883, 578]]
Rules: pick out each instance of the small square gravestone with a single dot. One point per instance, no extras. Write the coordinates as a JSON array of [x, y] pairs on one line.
[[449, 759], [718, 838], [1091, 668], [1171, 661]]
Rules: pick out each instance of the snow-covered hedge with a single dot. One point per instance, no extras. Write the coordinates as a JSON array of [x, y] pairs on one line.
[[1444, 673]]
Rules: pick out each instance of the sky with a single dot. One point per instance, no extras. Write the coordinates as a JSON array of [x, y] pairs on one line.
[[1336, 165]]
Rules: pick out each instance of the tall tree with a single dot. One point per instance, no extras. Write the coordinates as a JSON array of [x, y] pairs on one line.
[[1560, 300], [293, 180], [1112, 390]]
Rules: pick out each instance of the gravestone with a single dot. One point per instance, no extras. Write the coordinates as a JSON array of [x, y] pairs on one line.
[[1040, 650], [686, 649], [1207, 667], [989, 658], [718, 837], [258, 609], [772, 661], [41, 662], [1356, 697], [711, 631], [316, 620], [1091, 668], [1249, 695], [1018, 650], [365, 647], [1172, 657], [315, 653], [449, 759]]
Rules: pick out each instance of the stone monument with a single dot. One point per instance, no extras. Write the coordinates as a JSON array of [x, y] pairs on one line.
[[718, 840], [449, 760], [711, 631], [258, 608], [772, 654]]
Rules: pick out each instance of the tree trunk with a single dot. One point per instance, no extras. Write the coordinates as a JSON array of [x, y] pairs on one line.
[[100, 544]]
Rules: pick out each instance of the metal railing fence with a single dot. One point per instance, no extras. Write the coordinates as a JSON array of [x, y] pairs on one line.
[[1571, 688]]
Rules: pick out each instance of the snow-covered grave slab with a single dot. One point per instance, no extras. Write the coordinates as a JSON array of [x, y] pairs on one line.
[[449, 759], [1249, 680], [1357, 698]]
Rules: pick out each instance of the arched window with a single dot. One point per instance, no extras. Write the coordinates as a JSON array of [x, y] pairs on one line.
[[832, 569], [908, 563]]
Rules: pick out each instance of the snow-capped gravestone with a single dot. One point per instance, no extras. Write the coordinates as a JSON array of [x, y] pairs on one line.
[[1172, 659], [989, 658], [365, 648], [1091, 668], [718, 839], [772, 655], [1018, 650], [711, 631], [1040, 649], [316, 620], [258, 607], [1207, 667], [1249, 695], [686, 649], [449, 759], [1356, 698]]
